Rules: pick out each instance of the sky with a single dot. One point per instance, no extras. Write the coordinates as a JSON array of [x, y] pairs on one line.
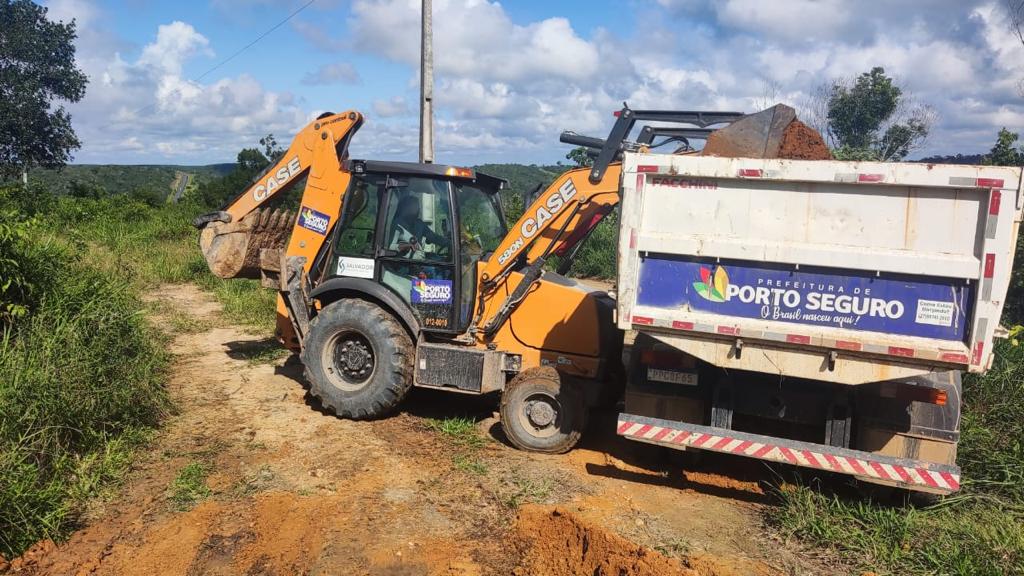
[[510, 76]]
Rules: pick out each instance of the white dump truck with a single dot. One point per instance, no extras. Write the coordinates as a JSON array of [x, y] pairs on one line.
[[814, 313]]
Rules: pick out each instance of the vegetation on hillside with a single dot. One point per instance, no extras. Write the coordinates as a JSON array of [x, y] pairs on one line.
[[99, 180]]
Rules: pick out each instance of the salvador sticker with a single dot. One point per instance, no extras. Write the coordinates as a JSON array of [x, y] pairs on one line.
[[425, 291], [312, 220]]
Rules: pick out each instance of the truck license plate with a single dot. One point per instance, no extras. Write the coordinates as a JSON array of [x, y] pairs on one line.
[[672, 376]]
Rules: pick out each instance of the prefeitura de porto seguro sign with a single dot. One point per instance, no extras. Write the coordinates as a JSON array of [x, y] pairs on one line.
[[911, 306]]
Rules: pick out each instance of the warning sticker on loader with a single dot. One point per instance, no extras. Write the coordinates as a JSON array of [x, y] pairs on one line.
[[928, 307]]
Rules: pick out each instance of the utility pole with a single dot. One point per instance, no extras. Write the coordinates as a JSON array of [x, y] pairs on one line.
[[427, 84]]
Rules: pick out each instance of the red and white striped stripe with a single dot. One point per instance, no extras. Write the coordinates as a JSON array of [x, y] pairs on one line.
[[677, 434]]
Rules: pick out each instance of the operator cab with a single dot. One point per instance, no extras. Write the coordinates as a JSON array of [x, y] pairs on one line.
[[418, 230]]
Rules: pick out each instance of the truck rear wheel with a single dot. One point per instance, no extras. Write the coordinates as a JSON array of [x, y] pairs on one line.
[[358, 359], [541, 413]]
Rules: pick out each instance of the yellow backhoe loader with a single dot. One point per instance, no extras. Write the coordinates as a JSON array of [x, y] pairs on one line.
[[396, 274]]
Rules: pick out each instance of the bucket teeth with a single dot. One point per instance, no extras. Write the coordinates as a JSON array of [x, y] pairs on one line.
[[232, 250]]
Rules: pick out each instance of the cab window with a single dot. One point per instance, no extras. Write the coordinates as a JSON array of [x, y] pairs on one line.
[[418, 226], [481, 229], [359, 219], [417, 261], [481, 226]]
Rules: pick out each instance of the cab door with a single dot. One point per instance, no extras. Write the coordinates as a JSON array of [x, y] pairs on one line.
[[416, 253]]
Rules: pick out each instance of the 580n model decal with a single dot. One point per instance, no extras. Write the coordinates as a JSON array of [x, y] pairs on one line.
[[553, 205]]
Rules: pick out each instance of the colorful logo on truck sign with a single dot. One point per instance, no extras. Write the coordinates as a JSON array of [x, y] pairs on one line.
[[923, 306], [713, 290]]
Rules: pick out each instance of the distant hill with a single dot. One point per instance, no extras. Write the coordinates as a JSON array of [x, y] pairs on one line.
[[121, 179], [162, 179], [522, 179], [972, 159]]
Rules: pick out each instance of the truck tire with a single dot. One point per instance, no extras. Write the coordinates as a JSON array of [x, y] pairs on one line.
[[358, 359], [541, 413]]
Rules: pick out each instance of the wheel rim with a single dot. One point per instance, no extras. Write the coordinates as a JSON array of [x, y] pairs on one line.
[[541, 415], [350, 360]]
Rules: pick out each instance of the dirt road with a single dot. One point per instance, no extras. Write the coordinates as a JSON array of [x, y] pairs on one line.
[[292, 490]]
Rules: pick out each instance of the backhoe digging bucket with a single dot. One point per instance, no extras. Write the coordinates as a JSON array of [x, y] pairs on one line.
[[771, 133], [232, 249]]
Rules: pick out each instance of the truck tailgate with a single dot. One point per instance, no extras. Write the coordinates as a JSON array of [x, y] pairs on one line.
[[840, 271]]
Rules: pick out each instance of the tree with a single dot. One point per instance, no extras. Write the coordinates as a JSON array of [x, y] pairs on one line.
[[580, 157], [1015, 10], [252, 161], [37, 73], [271, 149], [869, 117], [1004, 152]]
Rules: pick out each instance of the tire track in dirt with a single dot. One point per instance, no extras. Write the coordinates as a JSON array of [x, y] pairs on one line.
[[298, 491]]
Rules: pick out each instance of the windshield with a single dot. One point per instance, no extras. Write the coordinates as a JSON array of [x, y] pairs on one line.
[[482, 228]]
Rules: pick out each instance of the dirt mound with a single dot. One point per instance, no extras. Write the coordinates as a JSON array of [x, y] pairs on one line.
[[801, 142], [28, 561], [557, 543]]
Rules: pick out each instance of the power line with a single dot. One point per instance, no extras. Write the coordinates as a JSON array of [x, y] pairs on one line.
[[266, 33], [253, 43]]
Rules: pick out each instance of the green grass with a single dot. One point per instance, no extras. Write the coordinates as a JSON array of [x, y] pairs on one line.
[[465, 440], [518, 491], [81, 370], [458, 430], [189, 487], [470, 464], [245, 301], [972, 537], [81, 384]]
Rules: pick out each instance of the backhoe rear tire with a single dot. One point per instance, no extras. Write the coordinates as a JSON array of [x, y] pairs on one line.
[[540, 412], [358, 359]]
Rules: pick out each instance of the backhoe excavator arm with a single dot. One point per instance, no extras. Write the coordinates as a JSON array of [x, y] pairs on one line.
[[560, 218], [243, 241], [233, 239]]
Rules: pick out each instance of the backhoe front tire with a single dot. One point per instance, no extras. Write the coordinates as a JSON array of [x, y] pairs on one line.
[[358, 359], [542, 413]]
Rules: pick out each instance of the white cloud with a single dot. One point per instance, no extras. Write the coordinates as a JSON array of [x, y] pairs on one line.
[[475, 38], [147, 110], [175, 43], [389, 108], [786, 19]]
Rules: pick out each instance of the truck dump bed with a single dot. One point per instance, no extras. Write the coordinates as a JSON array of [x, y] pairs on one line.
[[837, 271]]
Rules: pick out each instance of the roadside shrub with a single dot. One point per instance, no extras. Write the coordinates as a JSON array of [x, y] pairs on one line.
[[80, 382]]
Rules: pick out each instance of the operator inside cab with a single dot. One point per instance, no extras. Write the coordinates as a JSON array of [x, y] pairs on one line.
[[409, 232]]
